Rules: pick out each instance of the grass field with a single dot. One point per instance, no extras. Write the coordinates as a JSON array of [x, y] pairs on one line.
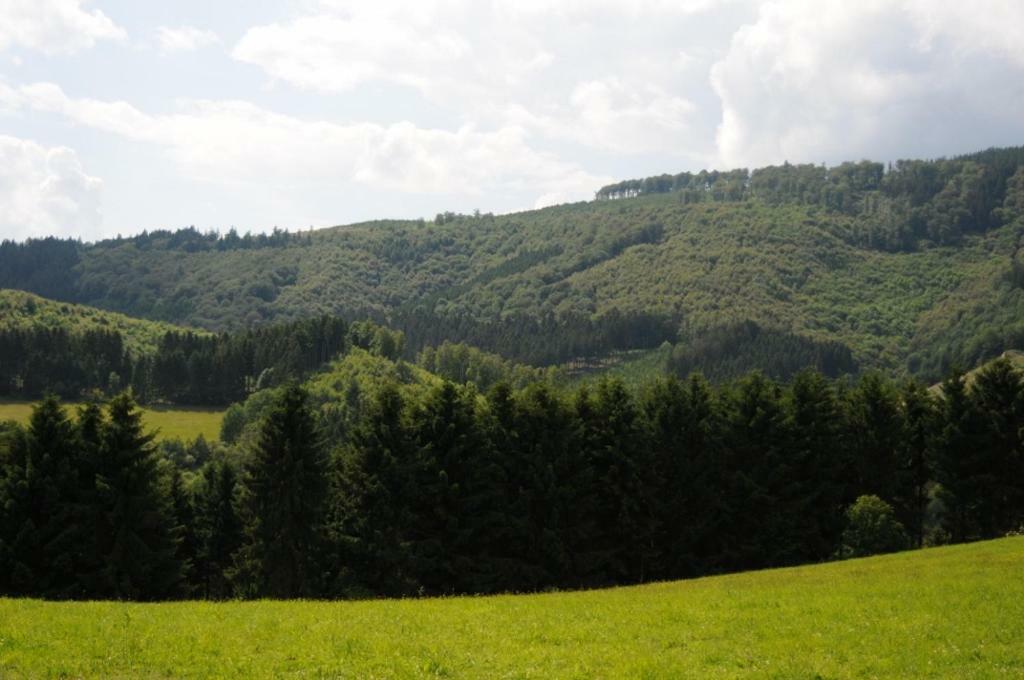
[[169, 422], [955, 612]]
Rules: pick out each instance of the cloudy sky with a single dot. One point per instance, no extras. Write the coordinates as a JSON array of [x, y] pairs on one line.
[[120, 115]]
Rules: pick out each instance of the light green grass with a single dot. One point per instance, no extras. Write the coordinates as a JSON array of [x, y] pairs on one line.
[[955, 612], [169, 422]]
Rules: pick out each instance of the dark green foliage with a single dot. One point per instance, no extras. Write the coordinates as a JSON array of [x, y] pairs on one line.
[[433, 488], [218, 531], [817, 469], [728, 352], [49, 530], [685, 475], [373, 488], [998, 392], [916, 458], [283, 504], [612, 438], [876, 426], [872, 528], [135, 530], [184, 368]]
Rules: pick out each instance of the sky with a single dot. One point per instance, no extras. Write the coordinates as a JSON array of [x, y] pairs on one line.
[[123, 115]]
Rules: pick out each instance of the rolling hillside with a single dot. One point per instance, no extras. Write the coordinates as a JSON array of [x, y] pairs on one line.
[[913, 269], [949, 612], [24, 311]]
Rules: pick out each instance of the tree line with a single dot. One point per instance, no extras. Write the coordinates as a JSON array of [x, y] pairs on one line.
[[454, 491], [186, 367], [902, 203]]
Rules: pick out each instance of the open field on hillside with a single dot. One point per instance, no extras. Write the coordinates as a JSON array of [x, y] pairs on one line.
[[946, 612], [169, 422]]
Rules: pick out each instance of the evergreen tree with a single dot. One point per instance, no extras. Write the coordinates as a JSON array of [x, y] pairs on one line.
[[372, 492], [756, 440], [553, 488], [999, 394], [874, 429], [816, 469], [135, 522], [51, 546], [444, 533], [961, 467], [285, 489], [612, 437], [916, 459], [187, 541], [218, 530], [686, 477]]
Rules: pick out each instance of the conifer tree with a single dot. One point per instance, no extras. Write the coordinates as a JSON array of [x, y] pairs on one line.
[[756, 441], [372, 490], [285, 489], [817, 469], [916, 452], [961, 461], [135, 522], [999, 394], [218, 530]]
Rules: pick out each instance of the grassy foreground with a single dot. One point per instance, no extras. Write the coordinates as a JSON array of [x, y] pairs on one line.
[[168, 422], [953, 612]]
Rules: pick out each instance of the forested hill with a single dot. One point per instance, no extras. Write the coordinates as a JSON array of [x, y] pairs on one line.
[[909, 267]]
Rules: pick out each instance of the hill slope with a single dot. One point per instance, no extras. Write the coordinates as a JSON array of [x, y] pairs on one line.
[[915, 268], [24, 311], [945, 612]]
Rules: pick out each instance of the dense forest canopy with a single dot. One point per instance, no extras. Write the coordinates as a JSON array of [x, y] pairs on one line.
[[400, 483], [910, 268]]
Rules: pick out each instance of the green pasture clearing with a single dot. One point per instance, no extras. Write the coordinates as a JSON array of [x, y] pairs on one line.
[[955, 612], [170, 422]]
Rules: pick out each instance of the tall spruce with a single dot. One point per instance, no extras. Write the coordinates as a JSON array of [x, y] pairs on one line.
[[999, 393], [961, 466], [756, 443], [284, 503], [916, 452], [371, 510], [218, 530], [136, 547]]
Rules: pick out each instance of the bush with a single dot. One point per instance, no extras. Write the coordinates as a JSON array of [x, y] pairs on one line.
[[872, 529]]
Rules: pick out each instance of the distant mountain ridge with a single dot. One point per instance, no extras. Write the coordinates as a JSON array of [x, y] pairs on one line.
[[911, 268]]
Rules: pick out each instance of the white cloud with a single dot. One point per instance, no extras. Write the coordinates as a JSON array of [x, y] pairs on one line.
[[584, 70], [237, 142], [54, 26], [828, 80], [184, 39], [44, 191]]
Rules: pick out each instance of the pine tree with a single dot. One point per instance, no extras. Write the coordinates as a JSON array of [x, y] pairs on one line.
[[218, 530], [613, 441], [135, 522], [999, 394], [916, 459], [756, 440], [443, 533], [52, 543], [817, 467], [961, 462], [371, 494], [874, 426], [285, 490], [185, 536]]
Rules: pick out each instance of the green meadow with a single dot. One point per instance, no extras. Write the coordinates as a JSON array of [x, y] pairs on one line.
[[168, 422], [955, 612]]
